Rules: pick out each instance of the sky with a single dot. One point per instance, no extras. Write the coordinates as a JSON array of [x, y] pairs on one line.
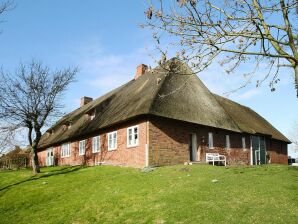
[[104, 39]]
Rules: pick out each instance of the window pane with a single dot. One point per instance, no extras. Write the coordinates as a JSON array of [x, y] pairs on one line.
[[243, 143], [110, 140], [227, 141], [210, 140]]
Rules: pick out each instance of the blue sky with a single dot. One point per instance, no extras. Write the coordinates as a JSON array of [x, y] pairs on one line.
[[104, 39]]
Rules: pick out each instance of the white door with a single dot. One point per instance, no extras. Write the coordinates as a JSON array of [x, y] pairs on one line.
[[50, 157]]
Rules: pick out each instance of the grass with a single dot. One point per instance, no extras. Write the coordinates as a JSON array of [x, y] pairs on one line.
[[176, 194]]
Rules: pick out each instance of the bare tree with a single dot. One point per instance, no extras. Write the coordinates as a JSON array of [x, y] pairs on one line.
[[5, 5], [31, 99], [7, 137], [232, 32]]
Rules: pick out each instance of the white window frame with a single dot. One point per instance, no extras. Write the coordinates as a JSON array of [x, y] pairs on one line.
[[132, 144], [96, 144], [228, 142], [113, 139], [243, 142], [210, 140], [65, 150], [92, 116], [82, 147]]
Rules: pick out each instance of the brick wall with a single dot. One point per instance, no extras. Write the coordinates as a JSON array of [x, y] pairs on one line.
[[277, 151], [41, 158], [132, 156], [169, 144]]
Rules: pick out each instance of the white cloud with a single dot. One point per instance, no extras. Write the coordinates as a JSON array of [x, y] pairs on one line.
[[105, 72]]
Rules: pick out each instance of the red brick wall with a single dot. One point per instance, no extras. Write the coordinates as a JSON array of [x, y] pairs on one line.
[[277, 151], [169, 143], [133, 156], [41, 158]]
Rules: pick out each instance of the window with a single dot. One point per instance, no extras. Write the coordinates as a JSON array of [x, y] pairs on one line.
[[133, 136], [112, 140], [95, 144], [210, 140], [82, 147], [228, 145], [65, 150], [92, 116], [243, 143]]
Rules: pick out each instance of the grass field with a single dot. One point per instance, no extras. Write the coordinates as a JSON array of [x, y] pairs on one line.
[[176, 194]]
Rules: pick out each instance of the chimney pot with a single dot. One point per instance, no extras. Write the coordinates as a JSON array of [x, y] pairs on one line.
[[141, 69], [85, 100]]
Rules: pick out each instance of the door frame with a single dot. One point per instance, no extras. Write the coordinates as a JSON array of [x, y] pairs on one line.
[[51, 151], [258, 159], [259, 150]]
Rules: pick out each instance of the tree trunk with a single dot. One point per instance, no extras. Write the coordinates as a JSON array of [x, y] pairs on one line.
[[34, 158], [296, 78], [35, 163]]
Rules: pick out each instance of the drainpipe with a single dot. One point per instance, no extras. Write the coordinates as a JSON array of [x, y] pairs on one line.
[[251, 156]]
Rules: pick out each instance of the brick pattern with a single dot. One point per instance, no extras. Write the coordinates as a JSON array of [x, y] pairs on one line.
[[277, 151], [169, 144], [123, 155]]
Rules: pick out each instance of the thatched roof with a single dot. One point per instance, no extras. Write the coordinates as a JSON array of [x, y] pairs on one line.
[[171, 92]]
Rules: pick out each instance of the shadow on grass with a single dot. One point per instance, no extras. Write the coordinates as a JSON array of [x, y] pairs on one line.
[[59, 171]]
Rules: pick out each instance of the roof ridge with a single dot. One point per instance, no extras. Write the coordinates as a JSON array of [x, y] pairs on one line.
[[257, 114], [213, 95], [157, 92], [232, 101]]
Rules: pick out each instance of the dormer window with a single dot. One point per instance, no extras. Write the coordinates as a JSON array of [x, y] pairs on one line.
[[92, 116], [67, 126]]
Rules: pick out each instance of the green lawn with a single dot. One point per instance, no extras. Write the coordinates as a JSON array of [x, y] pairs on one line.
[[176, 194]]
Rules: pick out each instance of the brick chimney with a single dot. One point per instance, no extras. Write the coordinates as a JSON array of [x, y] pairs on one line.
[[141, 69], [85, 100]]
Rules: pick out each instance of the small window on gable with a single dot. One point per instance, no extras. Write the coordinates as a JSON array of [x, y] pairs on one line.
[[210, 140], [133, 136], [92, 116], [228, 144], [112, 140], [65, 150], [82, 147], [95, 144], [243, 143]]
